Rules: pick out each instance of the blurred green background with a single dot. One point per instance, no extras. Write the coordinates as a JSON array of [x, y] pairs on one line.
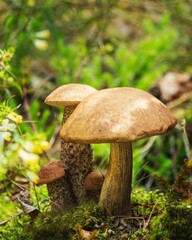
[[45, 44]]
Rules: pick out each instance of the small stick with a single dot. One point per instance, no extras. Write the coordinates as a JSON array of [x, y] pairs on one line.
[[148, 220], [183, 98], [185, 138]]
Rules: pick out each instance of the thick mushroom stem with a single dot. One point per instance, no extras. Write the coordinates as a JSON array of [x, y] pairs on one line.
[[78, 158], [115, 196]]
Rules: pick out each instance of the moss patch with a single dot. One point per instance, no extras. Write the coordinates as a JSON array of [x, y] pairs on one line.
[[154, 218], [173, 223]]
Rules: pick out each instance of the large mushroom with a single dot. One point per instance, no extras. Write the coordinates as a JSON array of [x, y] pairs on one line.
[[78, 157], [117, 116]]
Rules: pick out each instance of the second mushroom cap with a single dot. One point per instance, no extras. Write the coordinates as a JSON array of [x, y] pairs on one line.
[[69, 94]]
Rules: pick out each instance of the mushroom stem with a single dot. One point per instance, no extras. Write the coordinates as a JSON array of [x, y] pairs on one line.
[[78, 158], [67, 112], [116, 191], [59, 194]]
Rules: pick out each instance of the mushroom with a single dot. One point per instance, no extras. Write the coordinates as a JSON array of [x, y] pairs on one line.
[[93, 184], [94, 181], [117, 116], [52, 174], [78, 157]]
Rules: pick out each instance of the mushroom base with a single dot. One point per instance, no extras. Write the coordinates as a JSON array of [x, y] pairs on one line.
[[116, 191], [59, 194]]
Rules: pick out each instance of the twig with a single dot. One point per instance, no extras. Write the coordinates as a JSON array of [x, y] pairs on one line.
[[145, 149], [182, 126], [140, 169], [19, 185], [183, 98], [46, 155], [7, 220], [141, 179], [149, 218], [54, 136], [140, 220], [26, 106]]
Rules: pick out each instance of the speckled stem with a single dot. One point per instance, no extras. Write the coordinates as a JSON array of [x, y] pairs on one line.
[[78, 158], [116, 191], [59, 194], [70, 190]]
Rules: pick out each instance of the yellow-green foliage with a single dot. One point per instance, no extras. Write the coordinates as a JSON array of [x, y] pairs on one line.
[[18, 150]]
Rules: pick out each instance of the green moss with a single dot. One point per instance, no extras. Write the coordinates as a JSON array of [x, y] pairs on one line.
[[48, 226], [154, 218], [14, 230], [173, 223], [8, 208], [143, 202], [62, 226]]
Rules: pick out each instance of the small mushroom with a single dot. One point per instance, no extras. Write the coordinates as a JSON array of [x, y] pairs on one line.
[[117, 116], [78, 157], [94, 181], [93, 184], [52, 174]]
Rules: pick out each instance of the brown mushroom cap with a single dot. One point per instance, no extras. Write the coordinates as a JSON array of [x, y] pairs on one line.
[[117, 115], [51, 172], [69, 94], [94, 181]]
